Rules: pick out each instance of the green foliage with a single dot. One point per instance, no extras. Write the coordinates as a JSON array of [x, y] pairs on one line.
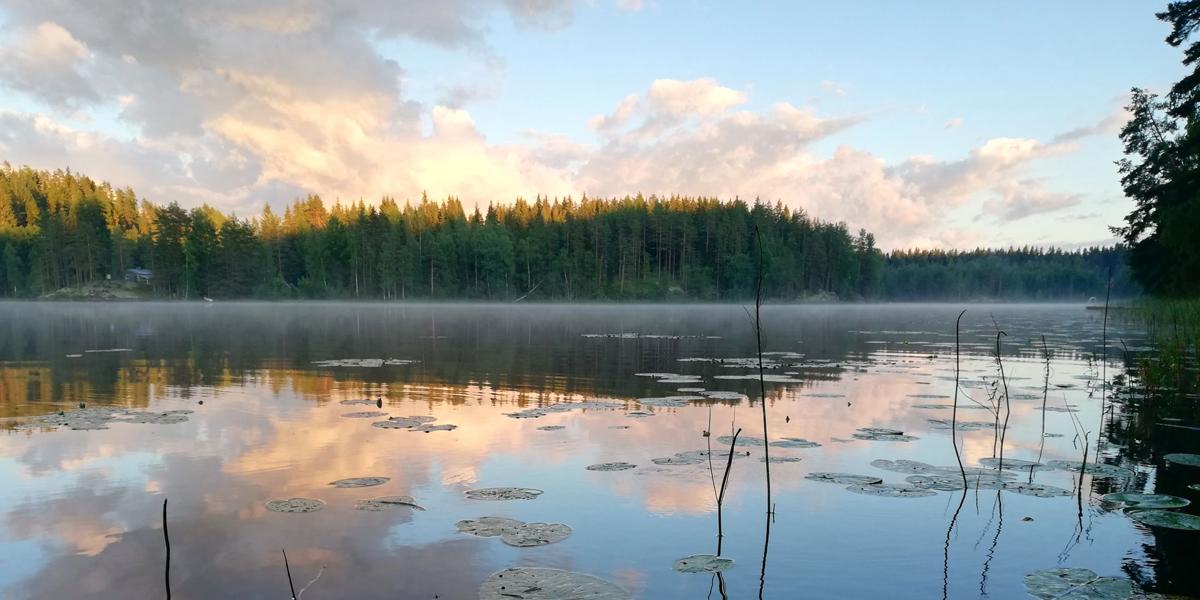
[[1161, 171], [1012, 274], [63, 230]]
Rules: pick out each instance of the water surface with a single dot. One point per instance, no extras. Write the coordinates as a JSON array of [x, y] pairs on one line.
[[80, 511]]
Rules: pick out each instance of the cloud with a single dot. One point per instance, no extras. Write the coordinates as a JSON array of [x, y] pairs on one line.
[[954, 123], [47, 62], [631, 5], [234, 104], [833, 87]]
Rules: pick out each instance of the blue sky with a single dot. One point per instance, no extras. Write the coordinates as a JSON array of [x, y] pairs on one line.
[[930, 123]]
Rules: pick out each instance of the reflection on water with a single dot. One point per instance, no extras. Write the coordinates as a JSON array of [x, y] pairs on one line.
[[81, 510]]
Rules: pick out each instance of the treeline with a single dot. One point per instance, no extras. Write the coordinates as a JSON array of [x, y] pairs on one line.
[[62, 230], [1010, 274]]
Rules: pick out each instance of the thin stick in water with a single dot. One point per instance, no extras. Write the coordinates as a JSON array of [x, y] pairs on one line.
[[167, 542], [288, 567]]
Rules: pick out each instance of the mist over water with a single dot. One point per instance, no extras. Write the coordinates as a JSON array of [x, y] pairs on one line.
[[80, 511]]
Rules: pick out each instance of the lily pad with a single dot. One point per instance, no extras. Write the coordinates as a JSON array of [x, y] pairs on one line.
[[1166, 519], [295, 505], [780, 459], [153, 418], [668, 401], [528, 535], [551, 427], [504, 493], [361, 401], [726, 440], [695, 457], [528, 583], [903, 466], [611, 466], [891, 490], [365, 414], [844, 478], [1076, 584], [1179, 458], [1015, 464], [488, 526], [358, 482], [396, 423], [1037, 490], [426, 428], [961, 425], [794, 442], [1146, 501], [703, 563], [639, 414], [387, 503], [1100, 471], [876, 435], [723, 396]]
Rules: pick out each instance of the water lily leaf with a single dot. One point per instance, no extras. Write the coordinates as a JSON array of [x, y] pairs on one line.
[[891, 490], [357, 482], [723, 396], [639, 414], [1166, 519], [1195, 487], [780, 459], [1014, 464], [488, 526], [1147, 501], [1100, 471], [1076, 584], [528, 535], [527, 583], [386, 503], [426, 428], [726, 440], [611, 466], [844, 478], [152, 418], [295, 505], [883, 437], [396, 423], [794, 442], [950, 406], [1179, 458], [668, 401], [362, 401], [504, 493], [703, 563], [961, 425], [551, 427], [903, 466], [1037, 490], [365, 414]]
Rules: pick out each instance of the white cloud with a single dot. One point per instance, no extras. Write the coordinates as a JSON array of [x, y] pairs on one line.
[[235, 105], [954, 123]]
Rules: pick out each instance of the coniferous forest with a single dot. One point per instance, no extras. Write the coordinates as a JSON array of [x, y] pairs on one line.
[[63, 231]]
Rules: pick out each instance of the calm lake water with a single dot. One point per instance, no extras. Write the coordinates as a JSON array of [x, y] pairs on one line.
[[81, 511]]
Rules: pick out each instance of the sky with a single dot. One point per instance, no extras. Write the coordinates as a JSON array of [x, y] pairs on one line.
[[930, 124]]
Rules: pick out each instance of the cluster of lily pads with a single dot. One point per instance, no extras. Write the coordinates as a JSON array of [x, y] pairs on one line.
[[308, 505], [364, 363], [94, 418]]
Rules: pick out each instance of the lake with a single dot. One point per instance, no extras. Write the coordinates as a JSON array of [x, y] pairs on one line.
[[221, 408]]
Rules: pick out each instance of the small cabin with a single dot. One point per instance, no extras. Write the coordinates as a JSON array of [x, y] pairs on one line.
[[142, 276]]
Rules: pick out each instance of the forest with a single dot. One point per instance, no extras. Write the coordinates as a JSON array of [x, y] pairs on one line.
[[64, 231]]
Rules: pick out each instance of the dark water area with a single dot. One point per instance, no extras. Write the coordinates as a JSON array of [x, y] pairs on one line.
[[268, 388]]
